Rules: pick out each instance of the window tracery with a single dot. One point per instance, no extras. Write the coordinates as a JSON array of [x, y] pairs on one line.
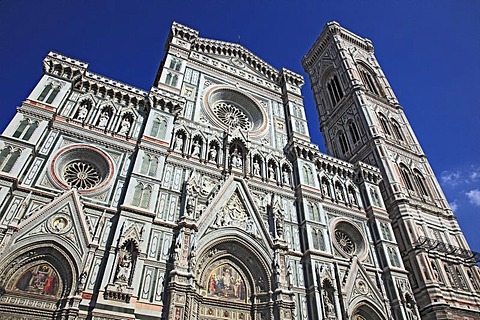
[[232, 116]]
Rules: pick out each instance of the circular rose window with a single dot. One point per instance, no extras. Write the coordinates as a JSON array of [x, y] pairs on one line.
[[83, 167], [348, 239], [232, 109]]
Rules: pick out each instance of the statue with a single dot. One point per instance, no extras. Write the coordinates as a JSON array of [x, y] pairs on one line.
[[125, 127], [236, 159], [213, 154], [82, 112], [286, 176], [179, 142], [124, 266], [351, 196], [329, 307], [271, 172], [102, 122], [196, 149], [256, 168]]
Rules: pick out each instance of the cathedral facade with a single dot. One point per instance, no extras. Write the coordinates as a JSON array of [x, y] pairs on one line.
[[204, 198]]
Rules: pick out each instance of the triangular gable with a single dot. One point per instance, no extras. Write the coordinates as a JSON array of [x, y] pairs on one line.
[[234, 207], [62, 221], [359, 284]]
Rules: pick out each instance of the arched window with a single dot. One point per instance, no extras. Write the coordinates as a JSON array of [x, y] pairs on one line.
[[8, 157], [406, 177], [149, 165], [153, 166], [21, 127], [420, 182], [397, 132], [384, 124], [343, 142], [146, 196], [31, 129], [334, 90], [44, 92], [175, 64], [369, 80], [352, 127], [53, 95], [307, 175], [142, 196], [171, 79]]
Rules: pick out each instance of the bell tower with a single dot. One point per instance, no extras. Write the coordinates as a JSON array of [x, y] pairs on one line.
[[362, 120]]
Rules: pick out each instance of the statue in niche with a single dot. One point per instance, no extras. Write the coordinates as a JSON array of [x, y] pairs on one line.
[[279, 218], [436, 275], [196, 149], [325, 189], [193, 253], [339, 192], [236, 158], [179, 142], [124, 266], [329, 307], [256, 168], [286, 176], [82, 113], [411, 311], [178, 246], [351, 196], [212, 154], [271, 172], [102, 122], [125, 127]]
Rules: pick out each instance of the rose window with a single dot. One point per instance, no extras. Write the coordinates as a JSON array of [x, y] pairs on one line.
[[81, 175], [229, 108], [83, 167], [345, 242], [232, 116]]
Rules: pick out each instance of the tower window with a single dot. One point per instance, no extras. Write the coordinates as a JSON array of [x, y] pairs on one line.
[[384, 124], [352, 127], [369, 82], [406, 178], [397, 132], [334, 90], [420, 182], [343, 142]]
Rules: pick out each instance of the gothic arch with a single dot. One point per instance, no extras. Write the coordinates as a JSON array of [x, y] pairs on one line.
[[44, 274], [364, 310]]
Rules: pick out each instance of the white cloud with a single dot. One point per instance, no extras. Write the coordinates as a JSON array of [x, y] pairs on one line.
[[454, 205], [474, 196], [451, 178]]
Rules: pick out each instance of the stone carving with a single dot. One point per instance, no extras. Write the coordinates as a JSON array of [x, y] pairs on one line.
[[236, 158], [102, 122], [286, 176], [212, 154], [179, 142], [271, 172], [82, 113], [124, 266], [328, 307], [196, 149], [233, 213], [278, 216], [256, 168], [125, 127]]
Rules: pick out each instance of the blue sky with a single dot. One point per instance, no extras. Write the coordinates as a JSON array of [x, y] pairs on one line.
[[429, 51]]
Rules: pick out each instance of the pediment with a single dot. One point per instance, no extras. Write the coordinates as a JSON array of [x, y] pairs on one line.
[[359, 285], [62, 221], [234, 208]]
